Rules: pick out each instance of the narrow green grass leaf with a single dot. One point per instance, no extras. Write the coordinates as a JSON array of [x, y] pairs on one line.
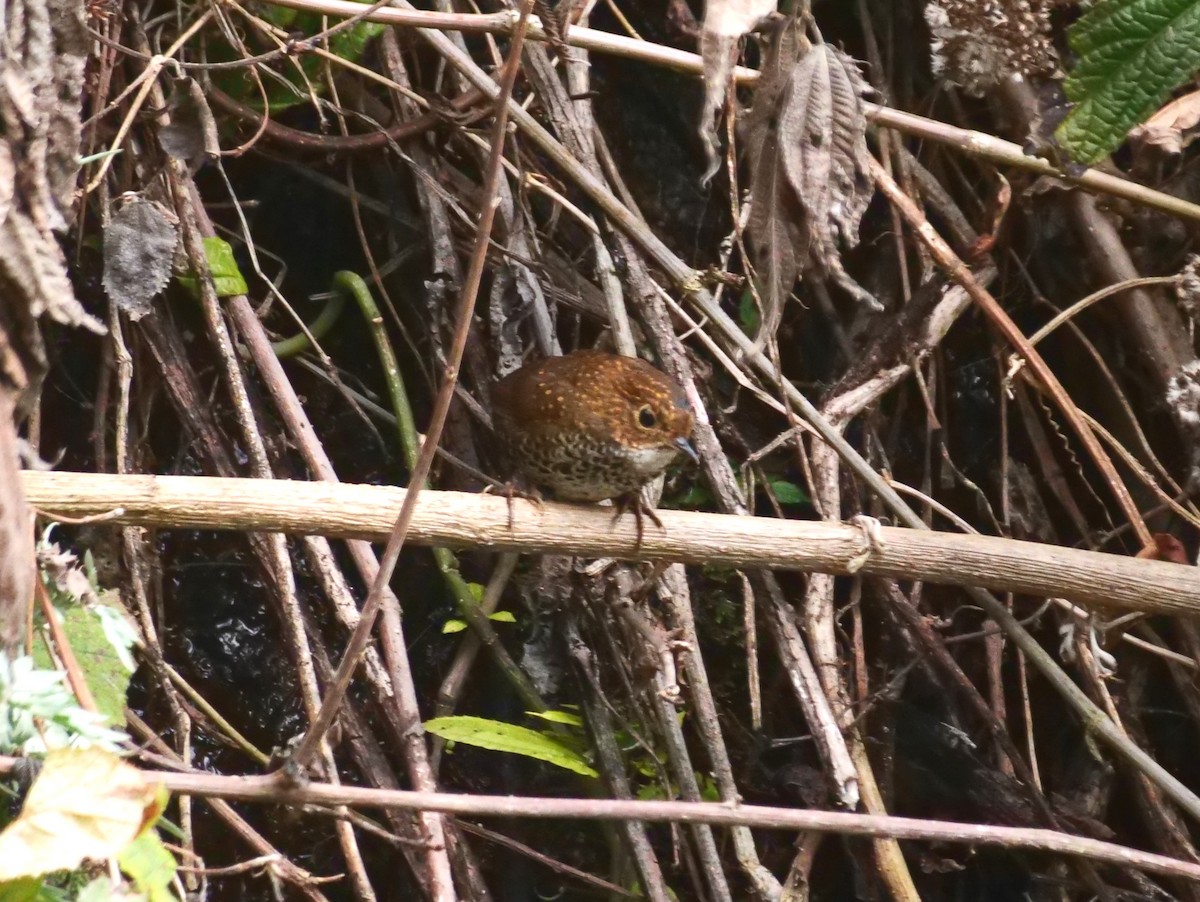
[[567, 718], [506, 737]]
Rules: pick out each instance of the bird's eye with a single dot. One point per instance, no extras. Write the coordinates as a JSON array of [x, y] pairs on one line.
[[646, 418]]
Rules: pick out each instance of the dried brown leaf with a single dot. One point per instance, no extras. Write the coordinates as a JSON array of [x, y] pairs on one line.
[[139, 249], [725, 23], [771, 229], [65, 572], [1165, 129], [191, 136], [85, 804], [1164, 547], [823, 136], [808, 158]]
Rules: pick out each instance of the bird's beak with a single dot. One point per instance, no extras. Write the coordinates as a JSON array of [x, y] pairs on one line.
[[686, 447]]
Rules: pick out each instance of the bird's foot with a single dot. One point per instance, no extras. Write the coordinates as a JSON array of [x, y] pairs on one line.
[[511, 491], [633, 501]]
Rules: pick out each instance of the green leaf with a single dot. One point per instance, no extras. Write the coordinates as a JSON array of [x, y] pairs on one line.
[[696, 496], [1132, 55], [23, 889], [651, 792], [150, 866], [566, 718], [99, 890], [302, 75], [37, 712], [106, 674], [506, 737], [455, 625], [748, 313], [788, 492], [227, 278], [119, 631]]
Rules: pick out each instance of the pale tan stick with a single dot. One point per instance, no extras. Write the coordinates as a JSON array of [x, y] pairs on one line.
[[461, 520]]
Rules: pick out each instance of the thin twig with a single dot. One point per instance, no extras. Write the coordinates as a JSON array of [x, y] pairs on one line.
[[975, 143], [276, 791], [948, 260], [462, 319]]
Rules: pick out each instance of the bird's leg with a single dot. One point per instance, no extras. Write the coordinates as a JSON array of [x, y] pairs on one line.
[[511, 490], [633, 501]]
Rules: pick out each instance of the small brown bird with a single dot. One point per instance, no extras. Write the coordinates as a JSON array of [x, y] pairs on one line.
[[591, 425]]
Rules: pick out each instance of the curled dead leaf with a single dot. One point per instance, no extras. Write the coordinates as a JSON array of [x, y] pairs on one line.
[[1164, 547], [1172, 128], [725, 22]]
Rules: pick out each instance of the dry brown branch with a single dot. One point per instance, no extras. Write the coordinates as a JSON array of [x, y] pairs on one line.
[[277, 791], [970, 141], [460, 520]]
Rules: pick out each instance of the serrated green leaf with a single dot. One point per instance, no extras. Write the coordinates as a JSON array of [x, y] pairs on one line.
[[1132, 55], [498, 736], [452, 626], [150, 866], [788, 492]]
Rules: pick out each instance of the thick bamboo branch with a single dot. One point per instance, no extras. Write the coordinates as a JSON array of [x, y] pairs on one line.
[[460, 520]]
